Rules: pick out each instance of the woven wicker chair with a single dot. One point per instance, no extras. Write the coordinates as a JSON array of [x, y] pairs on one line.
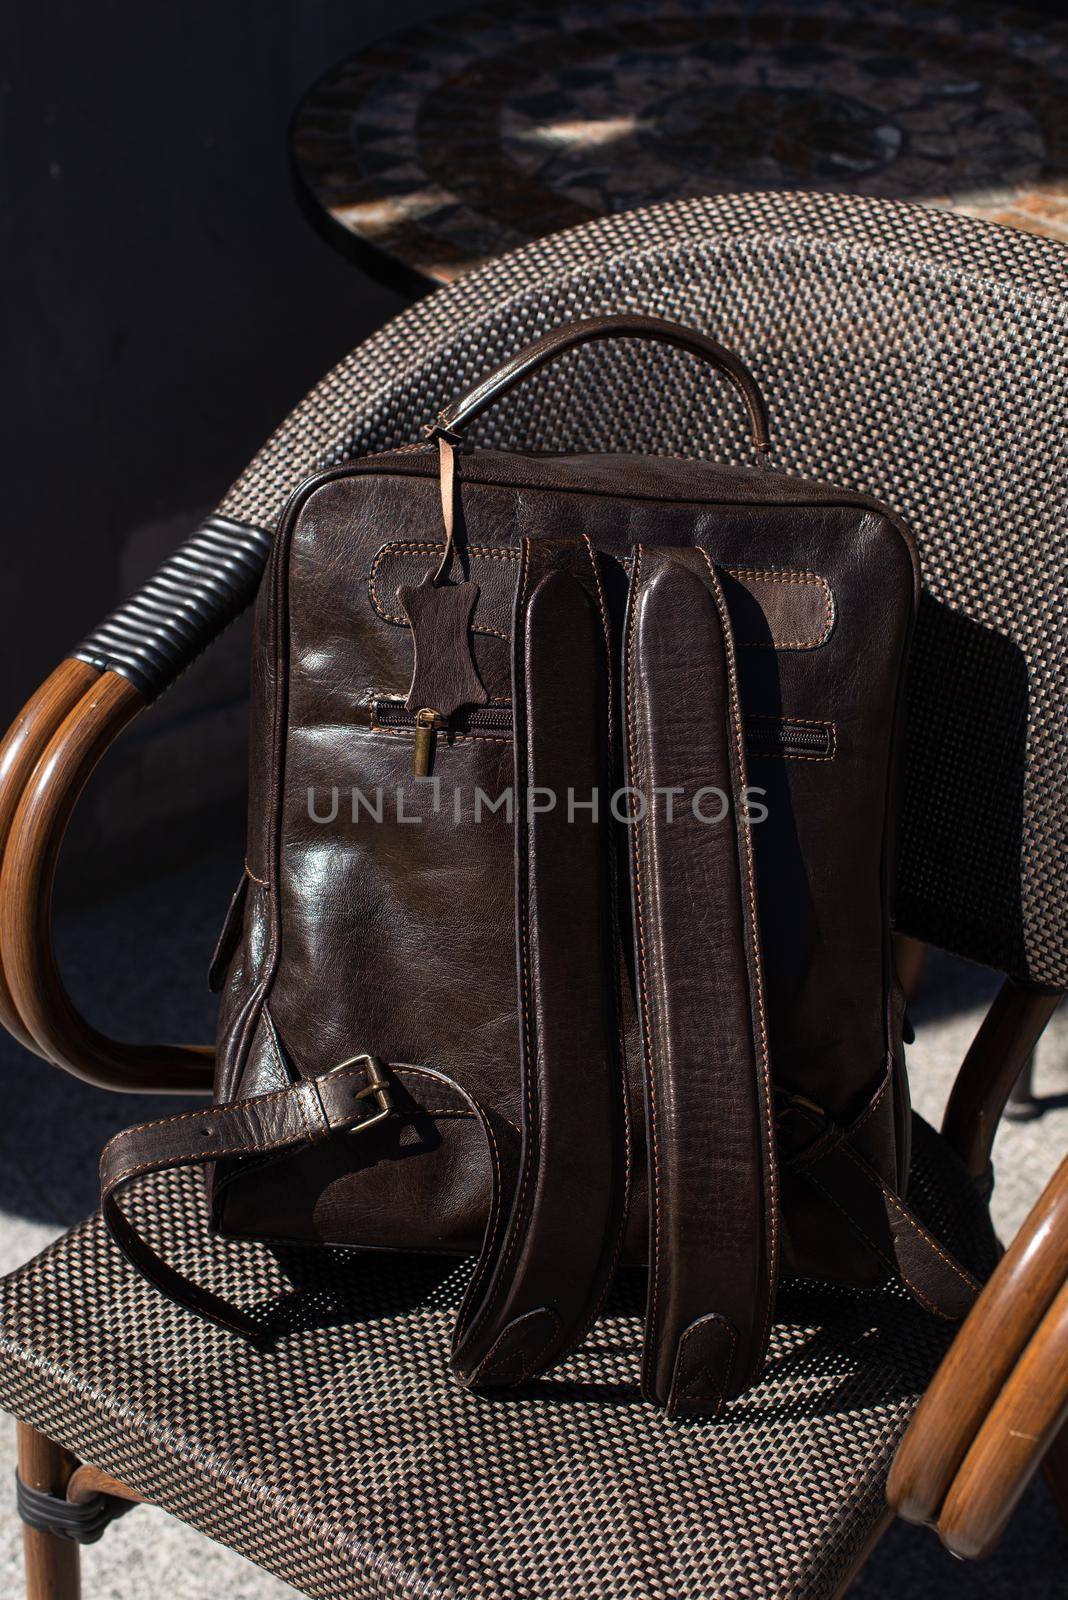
[[908, 353]]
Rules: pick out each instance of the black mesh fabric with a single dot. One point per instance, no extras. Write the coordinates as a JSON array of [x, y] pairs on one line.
[[343, 1458]]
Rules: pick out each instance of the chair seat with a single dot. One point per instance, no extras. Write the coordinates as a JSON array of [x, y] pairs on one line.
[[343, 1458]]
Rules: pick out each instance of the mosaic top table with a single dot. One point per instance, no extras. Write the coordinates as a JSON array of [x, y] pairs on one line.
[[443, 146]]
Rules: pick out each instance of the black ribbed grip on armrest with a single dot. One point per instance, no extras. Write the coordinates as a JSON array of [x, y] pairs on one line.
[[197, 592]]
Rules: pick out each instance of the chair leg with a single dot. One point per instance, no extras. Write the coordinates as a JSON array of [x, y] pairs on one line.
[[52, 1563], [1021, 1105], [998, 1054]]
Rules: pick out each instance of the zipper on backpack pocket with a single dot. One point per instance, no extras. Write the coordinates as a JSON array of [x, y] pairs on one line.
[[789, 738], [428, 723], [784, 737]]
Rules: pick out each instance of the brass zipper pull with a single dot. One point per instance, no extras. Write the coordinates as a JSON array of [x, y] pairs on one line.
[[427, 722]]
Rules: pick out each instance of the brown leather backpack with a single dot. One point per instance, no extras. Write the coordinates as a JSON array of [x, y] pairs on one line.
[[563, 934]]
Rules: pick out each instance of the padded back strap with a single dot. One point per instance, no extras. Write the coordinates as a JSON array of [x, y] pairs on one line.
[[538, 1292], [712, 1183]]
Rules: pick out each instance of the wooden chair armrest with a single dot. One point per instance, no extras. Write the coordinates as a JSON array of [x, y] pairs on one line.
[[45, 760], [986, 1379], [43, 1011], [1005, 1453], [22, 747]]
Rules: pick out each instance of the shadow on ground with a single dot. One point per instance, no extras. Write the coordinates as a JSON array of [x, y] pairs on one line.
[[136, 965]]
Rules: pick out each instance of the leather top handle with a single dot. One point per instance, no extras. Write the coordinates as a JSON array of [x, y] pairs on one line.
[[454, 418]]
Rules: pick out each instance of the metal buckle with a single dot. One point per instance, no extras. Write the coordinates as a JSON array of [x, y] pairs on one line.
[[377, 1089]]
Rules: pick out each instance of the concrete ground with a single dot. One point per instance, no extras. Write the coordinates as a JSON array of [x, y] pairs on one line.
[[136, 963]]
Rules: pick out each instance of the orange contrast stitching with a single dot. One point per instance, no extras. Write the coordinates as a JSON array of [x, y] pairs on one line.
[[754, 931], [504, 553], [795, 722], [887, 1079], [482, 552], [513, 1241], [613, 894], [785, 575], [451, 738], [643, 962], [913, 1222], [894, 1267], [705, 1372], [188, 1116]]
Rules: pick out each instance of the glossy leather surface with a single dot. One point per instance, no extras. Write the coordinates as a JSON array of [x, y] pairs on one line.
[[551, 1272], [399, 935], [713, 1224], [378, 908]]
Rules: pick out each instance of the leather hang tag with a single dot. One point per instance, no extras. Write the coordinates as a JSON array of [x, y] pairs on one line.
[[444, 675]]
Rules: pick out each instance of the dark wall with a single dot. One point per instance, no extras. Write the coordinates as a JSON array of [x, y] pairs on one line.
[[165, 301]]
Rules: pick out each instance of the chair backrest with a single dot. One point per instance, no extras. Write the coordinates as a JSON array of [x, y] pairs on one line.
[[913, 354]]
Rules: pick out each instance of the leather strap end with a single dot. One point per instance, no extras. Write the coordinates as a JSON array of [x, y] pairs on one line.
[[517, 1353], [308, 1111], [703, 1377]]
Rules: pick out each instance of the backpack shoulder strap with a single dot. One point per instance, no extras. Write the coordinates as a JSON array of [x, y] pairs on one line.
[[538, 1290], [712, 1174]]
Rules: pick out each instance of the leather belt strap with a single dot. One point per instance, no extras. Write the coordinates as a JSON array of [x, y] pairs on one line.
[[712, 1179], [556, 1256], [888, 1228], [350, 1099]]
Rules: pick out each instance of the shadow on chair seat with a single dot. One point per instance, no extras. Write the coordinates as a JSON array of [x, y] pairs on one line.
[[344, 1458]]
